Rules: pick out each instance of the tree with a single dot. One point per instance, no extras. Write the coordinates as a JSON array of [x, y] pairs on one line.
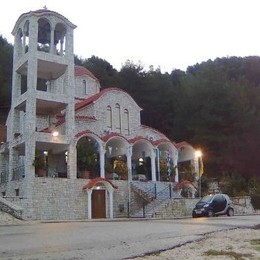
[[104, 71], [6, 58], [87, 156]]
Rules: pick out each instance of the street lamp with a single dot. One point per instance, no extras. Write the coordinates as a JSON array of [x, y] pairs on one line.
[[198, 156], [198, 153], [55, 133]]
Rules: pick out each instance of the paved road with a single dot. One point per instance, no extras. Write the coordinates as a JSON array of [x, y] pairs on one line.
[[107, 239]]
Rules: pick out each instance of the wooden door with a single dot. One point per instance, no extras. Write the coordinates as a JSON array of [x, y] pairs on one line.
[[98, 204]]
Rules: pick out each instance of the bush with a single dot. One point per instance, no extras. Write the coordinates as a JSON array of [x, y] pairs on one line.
[[255, 200]]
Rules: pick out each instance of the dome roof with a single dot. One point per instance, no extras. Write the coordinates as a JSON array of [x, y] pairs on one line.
[[81, 71], [42, 12]]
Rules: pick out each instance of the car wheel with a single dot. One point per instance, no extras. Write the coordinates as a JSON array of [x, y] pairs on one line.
[[230, 212], [194, 215], [210, 213]]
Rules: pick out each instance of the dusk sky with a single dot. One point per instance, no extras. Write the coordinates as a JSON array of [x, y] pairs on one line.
[[170, 34]]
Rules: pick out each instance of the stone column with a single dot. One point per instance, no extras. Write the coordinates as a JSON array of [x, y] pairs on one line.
[[102, 152], [195, 164], [52, 44], [72, 162], [89, 204], [129, 161], [157, 152], [111, 205], [175, 164], [153, 157]]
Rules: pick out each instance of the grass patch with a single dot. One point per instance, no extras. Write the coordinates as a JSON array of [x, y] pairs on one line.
[[237, 256], [256, 244], [255, 241]]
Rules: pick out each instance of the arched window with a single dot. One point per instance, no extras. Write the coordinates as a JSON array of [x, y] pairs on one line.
[[126, 121], [84, 87], [109, 117], [118, 118]]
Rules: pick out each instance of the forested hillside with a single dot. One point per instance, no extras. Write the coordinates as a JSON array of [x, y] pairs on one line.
[[6, 60], [214, 105]]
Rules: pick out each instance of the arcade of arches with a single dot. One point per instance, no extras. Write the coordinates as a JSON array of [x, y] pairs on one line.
[[118, 158]]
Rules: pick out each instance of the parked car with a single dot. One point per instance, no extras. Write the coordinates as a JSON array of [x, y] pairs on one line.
[[213, 205]]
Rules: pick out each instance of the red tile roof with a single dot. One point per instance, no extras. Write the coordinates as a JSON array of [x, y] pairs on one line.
[[95, 97], [183, 183], [157, 142], [93, 182], [45, 130], [81, 71], [181, 144], [84, 132], [86, 118], [112, 134], [137, 138]]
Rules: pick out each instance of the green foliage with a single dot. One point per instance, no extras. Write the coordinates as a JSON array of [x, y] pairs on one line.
[[87, 156], [186, 171], [255, 201], [104, 71], [255, 243], [254, 185], [108, 166], [39, 161], [6, 58], [234, 255], [233, 184]]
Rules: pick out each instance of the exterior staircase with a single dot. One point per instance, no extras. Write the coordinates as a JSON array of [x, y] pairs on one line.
[[154, 198], [10, 208]]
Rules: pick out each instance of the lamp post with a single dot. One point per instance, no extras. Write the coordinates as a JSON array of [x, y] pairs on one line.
[[198, 156]]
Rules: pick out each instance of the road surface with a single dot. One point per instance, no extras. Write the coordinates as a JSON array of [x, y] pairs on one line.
[[117, 239]]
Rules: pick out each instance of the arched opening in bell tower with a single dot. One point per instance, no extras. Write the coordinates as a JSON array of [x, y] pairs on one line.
[[60, 39], [44, 35]]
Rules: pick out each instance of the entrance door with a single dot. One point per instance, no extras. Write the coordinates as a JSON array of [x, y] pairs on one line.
[[98, 204]]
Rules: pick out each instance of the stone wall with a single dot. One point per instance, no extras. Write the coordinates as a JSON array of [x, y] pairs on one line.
[[64, 199], [58, 199], [121, 199], [183, 207], [61, 199], [243, 205]]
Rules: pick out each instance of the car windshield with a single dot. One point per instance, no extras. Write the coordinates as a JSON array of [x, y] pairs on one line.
[[207, 198]]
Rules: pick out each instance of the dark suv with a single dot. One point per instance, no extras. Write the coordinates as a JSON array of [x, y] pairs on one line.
[[213, 205]]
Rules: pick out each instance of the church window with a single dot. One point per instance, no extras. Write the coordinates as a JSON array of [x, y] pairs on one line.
[[109, 117], [85, 86], [118, 118], [126, 121]]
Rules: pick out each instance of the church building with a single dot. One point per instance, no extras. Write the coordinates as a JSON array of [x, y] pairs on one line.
[[72, 149]]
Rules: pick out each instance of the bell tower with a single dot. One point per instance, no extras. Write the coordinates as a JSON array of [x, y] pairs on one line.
[[42, 86]]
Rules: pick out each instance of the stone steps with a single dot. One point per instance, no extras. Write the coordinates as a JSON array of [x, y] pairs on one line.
[[7, 219], [163, 194]]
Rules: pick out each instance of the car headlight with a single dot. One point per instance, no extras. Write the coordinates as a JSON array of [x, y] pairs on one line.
[[206, 205]]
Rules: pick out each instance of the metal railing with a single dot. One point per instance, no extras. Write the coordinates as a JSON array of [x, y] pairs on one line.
[[142, 207]]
